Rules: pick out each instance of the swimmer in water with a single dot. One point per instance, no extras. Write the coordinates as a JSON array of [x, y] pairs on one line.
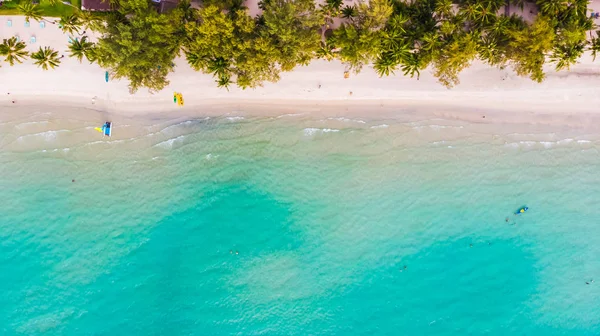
[[507, 219]]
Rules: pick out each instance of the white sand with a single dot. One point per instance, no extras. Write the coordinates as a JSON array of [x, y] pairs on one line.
[[572, 95]]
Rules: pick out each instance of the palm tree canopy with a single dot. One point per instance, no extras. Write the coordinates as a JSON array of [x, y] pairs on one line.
[[552, 7], [80, 48], [334, 4], [595, 45], [218, 66], [90, 21], [411, 64], [566, 55], [13, 50], [224, 81], [70, 23], [349, 11], [46, 58], [385, 64], [30, 11]]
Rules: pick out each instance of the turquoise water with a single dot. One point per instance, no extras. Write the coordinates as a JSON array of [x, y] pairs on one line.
[[297, 226]]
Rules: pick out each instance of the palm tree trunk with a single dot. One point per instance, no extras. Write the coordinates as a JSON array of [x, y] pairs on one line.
[[507, 8]]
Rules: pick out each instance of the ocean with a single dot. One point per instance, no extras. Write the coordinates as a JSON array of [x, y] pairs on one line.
[[295, 224]]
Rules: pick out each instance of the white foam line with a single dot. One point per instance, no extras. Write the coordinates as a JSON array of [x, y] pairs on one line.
[[235, 118], [380, 126], [312, 131], [170, 142], [290, 115]]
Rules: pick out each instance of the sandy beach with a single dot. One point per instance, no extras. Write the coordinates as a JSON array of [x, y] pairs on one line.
[[567, 96]]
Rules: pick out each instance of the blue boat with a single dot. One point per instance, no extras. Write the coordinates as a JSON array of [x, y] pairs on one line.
[[106, 76], [521, 210]]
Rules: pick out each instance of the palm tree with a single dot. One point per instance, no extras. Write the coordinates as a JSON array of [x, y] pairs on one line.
[[189, 13], [385, 64], [552, 7], [349, 11], [484, 15], [412, 64], [81, 48], [217, 66], [577, 8], [334, 4], [493, 5], [69, 23], [325, 52], [13, 51], [30, 11], [566, 55], [500, 27], [469, 12], [488, 51], [430, 41], [46, 58], [595, 45], [195, 61], [587, 25], [443, 8], [224, 81], [394, 40], [90, 20], [518, 3], [92, 54], [331, 8]]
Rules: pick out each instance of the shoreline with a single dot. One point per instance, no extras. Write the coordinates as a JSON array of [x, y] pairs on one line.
[[564, 98], [59, 128], [509, 113]]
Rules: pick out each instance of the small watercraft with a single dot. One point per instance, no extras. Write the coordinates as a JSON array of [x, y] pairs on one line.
[[521, 210], [106, 129], [178, 98]]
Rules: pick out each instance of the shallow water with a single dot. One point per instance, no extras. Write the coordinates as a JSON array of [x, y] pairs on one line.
[[297, 225]]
